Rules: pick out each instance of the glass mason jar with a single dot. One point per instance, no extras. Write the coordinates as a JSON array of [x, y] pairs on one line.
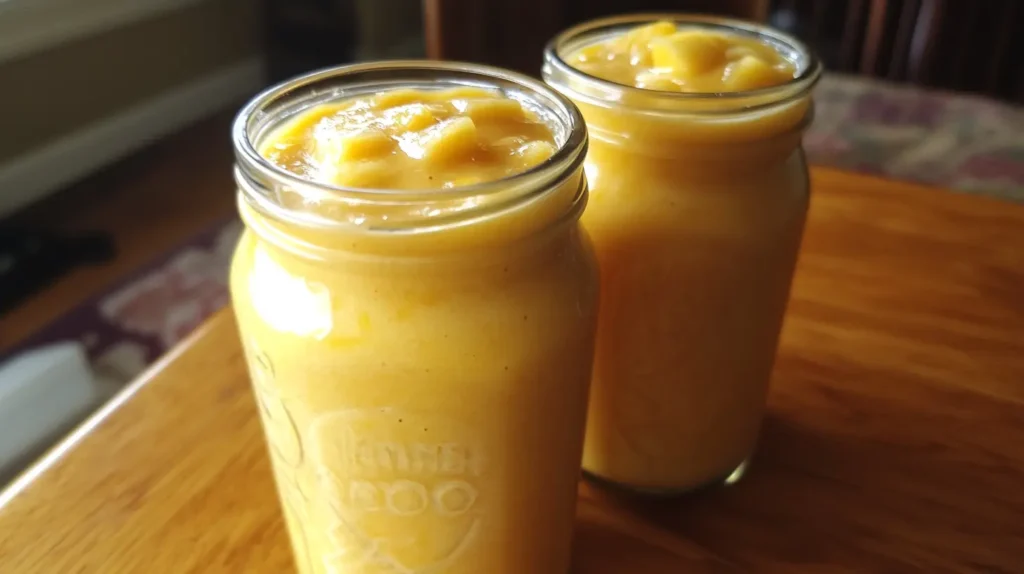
[[421, 359], [697, 208]]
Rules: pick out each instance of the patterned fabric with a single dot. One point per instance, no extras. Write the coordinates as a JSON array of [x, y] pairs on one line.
[[128, 328], [948, 140]]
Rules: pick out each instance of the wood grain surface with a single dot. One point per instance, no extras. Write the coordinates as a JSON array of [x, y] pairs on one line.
[[895, 440]]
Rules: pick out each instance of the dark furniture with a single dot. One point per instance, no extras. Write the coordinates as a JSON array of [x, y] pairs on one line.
[[965, 45]]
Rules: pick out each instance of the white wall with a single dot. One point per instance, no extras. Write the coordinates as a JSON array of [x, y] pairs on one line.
[[208, 53]]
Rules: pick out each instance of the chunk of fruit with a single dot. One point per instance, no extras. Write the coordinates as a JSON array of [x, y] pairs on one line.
[[368, 174], [415, 117], [535, 152], [734, 53], [493, 109], [636, 42], [750, 73], [644, 34], [334, 147], [688, 53], [656, 81], [450, 140], [395, 98]]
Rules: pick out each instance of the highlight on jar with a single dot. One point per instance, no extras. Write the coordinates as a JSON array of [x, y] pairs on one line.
[[699, 192], [417, 304]]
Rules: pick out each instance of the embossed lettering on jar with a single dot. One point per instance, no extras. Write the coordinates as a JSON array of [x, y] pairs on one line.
[[699, 193], [417, 303]]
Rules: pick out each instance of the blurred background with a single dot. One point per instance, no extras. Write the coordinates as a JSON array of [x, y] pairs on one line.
[[116, 198]]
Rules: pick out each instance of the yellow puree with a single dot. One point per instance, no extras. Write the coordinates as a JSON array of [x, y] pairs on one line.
[[660, 57], [696, 219], [424, 410], [407, 139]]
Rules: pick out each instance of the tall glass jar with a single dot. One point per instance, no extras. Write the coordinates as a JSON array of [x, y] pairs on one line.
[[421, 359], [697, 209]]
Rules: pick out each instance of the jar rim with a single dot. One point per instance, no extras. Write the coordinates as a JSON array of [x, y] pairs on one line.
[[254, 120], [555, 65]]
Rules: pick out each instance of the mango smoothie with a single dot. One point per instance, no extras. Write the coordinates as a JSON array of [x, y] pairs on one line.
[[417, 304], [699, 192]]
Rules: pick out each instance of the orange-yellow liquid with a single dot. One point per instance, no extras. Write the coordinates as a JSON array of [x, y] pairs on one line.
[[423, 395], [696, 220]]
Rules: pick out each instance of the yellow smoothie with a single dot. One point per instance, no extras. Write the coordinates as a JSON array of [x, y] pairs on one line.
[[698, 198], [412, 139], [664, 56], [421, 352]]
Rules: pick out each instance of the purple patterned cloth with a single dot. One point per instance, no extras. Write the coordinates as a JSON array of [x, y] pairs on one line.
[[958, 141], [130, 326]]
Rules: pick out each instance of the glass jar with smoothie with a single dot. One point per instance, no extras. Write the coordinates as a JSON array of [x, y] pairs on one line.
[[699, 192], [417, 303]]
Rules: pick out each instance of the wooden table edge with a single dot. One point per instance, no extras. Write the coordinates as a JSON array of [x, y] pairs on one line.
[[27, 477]]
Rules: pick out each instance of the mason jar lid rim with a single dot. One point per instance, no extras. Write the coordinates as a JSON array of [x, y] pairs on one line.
[[247, 154]]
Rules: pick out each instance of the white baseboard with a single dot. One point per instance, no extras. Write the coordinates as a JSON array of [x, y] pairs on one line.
[[43, 393], [27, 26], [32, 176]]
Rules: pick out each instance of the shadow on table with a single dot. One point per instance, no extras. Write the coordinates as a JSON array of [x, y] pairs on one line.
[[893, 491], [611, 538]]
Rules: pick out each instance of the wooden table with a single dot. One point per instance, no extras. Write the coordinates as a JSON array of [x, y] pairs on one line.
[[895, 440]]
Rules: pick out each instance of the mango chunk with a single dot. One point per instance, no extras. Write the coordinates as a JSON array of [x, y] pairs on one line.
[[656, 81], [689, 58], [334, 147], [413, 139], [494, 110], [415, 117], [644, 34], [373, 174], [535, 152], [689, 53], [450, 140], [752, 73], [395, 98]]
